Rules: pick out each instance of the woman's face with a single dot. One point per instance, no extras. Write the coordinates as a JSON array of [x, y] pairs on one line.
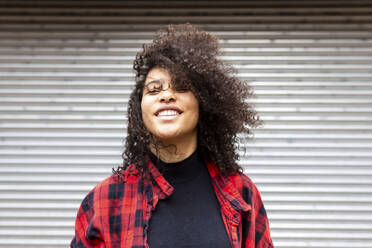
[[169, 114]]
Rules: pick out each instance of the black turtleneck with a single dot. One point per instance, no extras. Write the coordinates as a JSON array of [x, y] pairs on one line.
[[191, 216]]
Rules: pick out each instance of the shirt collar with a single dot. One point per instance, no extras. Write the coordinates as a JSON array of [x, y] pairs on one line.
[[231, 198], [226, 187], [163, 184]]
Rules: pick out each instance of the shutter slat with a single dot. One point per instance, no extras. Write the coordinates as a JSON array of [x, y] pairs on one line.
[[66, 75]]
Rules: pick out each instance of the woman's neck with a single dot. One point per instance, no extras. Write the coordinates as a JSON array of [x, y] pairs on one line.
[[175, 151]]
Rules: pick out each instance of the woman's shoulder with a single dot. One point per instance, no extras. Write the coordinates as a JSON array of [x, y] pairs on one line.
[[119, 177], [245, 186], [241, 180], [111, 187]]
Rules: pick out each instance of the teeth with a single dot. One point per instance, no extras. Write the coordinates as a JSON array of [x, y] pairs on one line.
[[167, 112]]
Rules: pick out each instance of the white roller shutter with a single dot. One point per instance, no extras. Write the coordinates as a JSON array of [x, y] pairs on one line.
[[66, 74]]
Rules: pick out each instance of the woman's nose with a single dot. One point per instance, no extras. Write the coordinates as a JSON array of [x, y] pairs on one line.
[[168, 95]]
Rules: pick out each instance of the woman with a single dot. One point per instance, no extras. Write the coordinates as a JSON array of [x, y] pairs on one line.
[[180, 184]]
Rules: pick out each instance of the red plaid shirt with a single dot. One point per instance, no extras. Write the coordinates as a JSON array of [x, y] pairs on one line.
[[116, 213]]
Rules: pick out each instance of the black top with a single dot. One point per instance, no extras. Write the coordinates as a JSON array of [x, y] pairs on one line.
[[191, 216]]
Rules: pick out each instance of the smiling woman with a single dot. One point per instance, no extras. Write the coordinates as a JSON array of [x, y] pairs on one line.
[[169, 114], [180, 165]]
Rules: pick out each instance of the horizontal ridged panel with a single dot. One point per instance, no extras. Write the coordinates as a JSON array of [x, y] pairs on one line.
[[66, 75]]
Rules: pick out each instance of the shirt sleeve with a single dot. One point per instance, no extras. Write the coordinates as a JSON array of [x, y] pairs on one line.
[[256, 230], [262, 233], [87, 228]]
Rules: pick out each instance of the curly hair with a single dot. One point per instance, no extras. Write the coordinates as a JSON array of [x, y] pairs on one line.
[[191, 57]]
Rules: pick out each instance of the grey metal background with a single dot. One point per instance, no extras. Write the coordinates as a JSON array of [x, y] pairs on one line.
[[65, 69]]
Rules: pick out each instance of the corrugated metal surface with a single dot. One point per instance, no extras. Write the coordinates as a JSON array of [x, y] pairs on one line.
[[66, 74]]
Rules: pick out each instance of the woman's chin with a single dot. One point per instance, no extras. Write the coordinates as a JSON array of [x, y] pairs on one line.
[[167, 135]]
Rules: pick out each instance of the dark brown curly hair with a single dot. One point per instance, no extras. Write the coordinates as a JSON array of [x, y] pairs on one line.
[[191, 57]]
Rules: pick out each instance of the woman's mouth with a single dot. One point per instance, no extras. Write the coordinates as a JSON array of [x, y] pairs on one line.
[[168, 114]]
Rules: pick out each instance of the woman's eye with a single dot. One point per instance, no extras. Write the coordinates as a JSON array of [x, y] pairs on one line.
[[153, 91], [182, 90], [154, 88]]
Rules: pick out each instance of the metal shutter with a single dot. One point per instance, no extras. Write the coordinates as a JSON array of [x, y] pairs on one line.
[[66, 75]]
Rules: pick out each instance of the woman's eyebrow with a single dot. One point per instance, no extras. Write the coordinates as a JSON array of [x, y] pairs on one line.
[[153, 81]]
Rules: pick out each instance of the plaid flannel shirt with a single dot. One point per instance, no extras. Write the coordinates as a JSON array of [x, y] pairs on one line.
[[116, 213]]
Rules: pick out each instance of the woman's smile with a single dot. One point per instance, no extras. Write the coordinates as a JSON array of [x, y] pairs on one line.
[[168, 113]]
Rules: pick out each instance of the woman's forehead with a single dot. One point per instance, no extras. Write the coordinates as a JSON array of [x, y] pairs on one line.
[[158, 71], [158, 74], [165, 75]]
